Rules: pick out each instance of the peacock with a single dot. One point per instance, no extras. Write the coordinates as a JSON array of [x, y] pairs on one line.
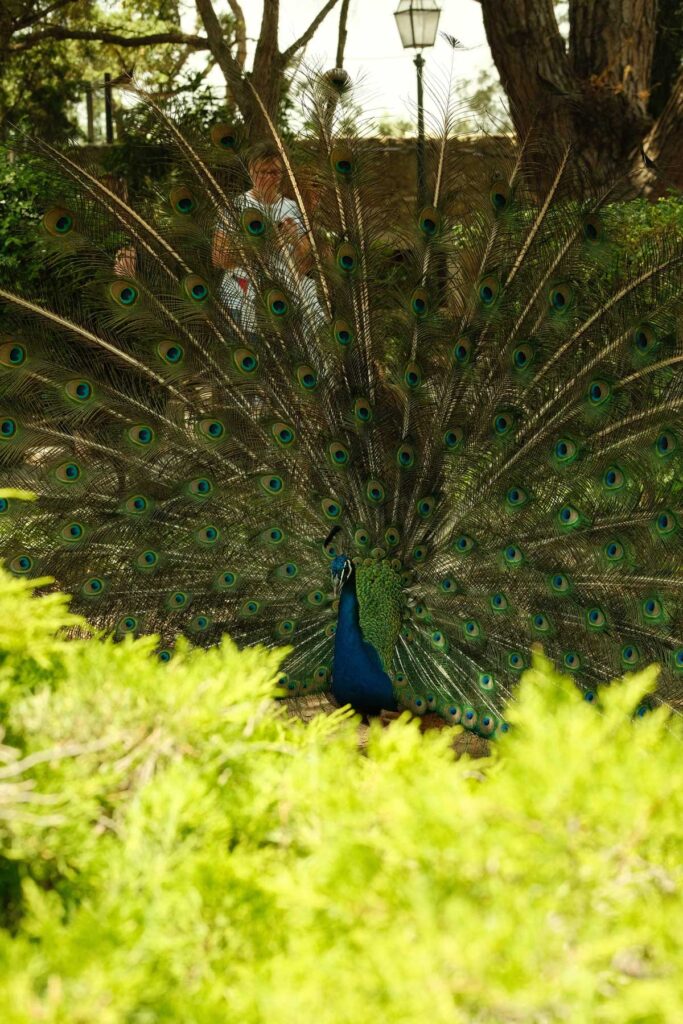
[[272, 400]]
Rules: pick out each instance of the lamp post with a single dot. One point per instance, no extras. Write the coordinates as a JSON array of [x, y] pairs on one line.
[[418, 21]]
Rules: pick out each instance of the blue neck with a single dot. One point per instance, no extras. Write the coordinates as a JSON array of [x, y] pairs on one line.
[[357, 674]]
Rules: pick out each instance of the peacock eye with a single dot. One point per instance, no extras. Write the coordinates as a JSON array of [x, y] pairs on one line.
[[245, 361], [182, 200], [171, 352], [225, 136], [375, 492], [463, 544], [613, 479], [342, 161], [58, 222], [595, 617], [141, 435], [339, 454], [462, 351], [412, 376], [124, 293], [439, 641], [571, 661], [513, 555], [630, 654], [666, 443], [343, 332], [347, 257], [489, 290], [419, 302], [307, 378], [516, 497], [500, 195], [523, 356], [362, 411], [284, 434], [332, 509], [469, 718], [272, 484], [665, 523], [12, 354], [503, 422], [561, 298], [211, 430], [565, 451], [453, 438], [21, 565], [598, 392], [425, 506], [196, 288], [644, 339], [277, 303], [614, 551], [568, 516]]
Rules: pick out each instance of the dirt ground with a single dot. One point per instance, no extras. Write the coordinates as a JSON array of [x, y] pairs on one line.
[[464, 742]]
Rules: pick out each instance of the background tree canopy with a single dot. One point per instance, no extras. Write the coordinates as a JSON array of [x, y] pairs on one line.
[[604, 73]]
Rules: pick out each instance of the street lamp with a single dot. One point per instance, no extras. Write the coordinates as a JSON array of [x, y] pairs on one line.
[[418, 21]]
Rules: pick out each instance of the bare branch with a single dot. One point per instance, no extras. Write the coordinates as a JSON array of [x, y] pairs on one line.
[[101, 36], [32, 19], [341, 38], [231, 69], [240, 32], [306, 36]]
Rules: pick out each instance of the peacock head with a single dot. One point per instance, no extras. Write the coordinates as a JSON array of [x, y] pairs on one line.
[[341, 568]]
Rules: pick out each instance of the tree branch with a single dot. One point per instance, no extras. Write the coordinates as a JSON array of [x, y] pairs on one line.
[[306, 36], [232, 72], [61, 32], [240, 32], [341, 38], [32, 19]]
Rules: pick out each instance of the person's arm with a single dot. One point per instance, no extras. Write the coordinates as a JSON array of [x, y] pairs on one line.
[[220, 250], [295, 235]]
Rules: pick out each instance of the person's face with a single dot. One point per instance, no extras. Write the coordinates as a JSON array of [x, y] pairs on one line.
[[266, 175]]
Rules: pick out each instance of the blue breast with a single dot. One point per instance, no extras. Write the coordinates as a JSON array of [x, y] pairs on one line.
[[357, 674]]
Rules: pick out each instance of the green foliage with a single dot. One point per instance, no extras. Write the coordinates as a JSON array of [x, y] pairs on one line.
[[21, 181], [639, 218], [175, 849], [43, 78]]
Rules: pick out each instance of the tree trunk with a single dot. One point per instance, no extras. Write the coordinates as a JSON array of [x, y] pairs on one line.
[[594, 92], [267, 77]]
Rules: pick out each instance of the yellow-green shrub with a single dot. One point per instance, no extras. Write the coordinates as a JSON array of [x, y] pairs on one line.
[[175, 849]]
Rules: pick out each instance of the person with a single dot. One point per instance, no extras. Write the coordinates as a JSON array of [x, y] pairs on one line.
[[237, 292]]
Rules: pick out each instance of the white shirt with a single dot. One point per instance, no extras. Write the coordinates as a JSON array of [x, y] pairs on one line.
[[240, 298]]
